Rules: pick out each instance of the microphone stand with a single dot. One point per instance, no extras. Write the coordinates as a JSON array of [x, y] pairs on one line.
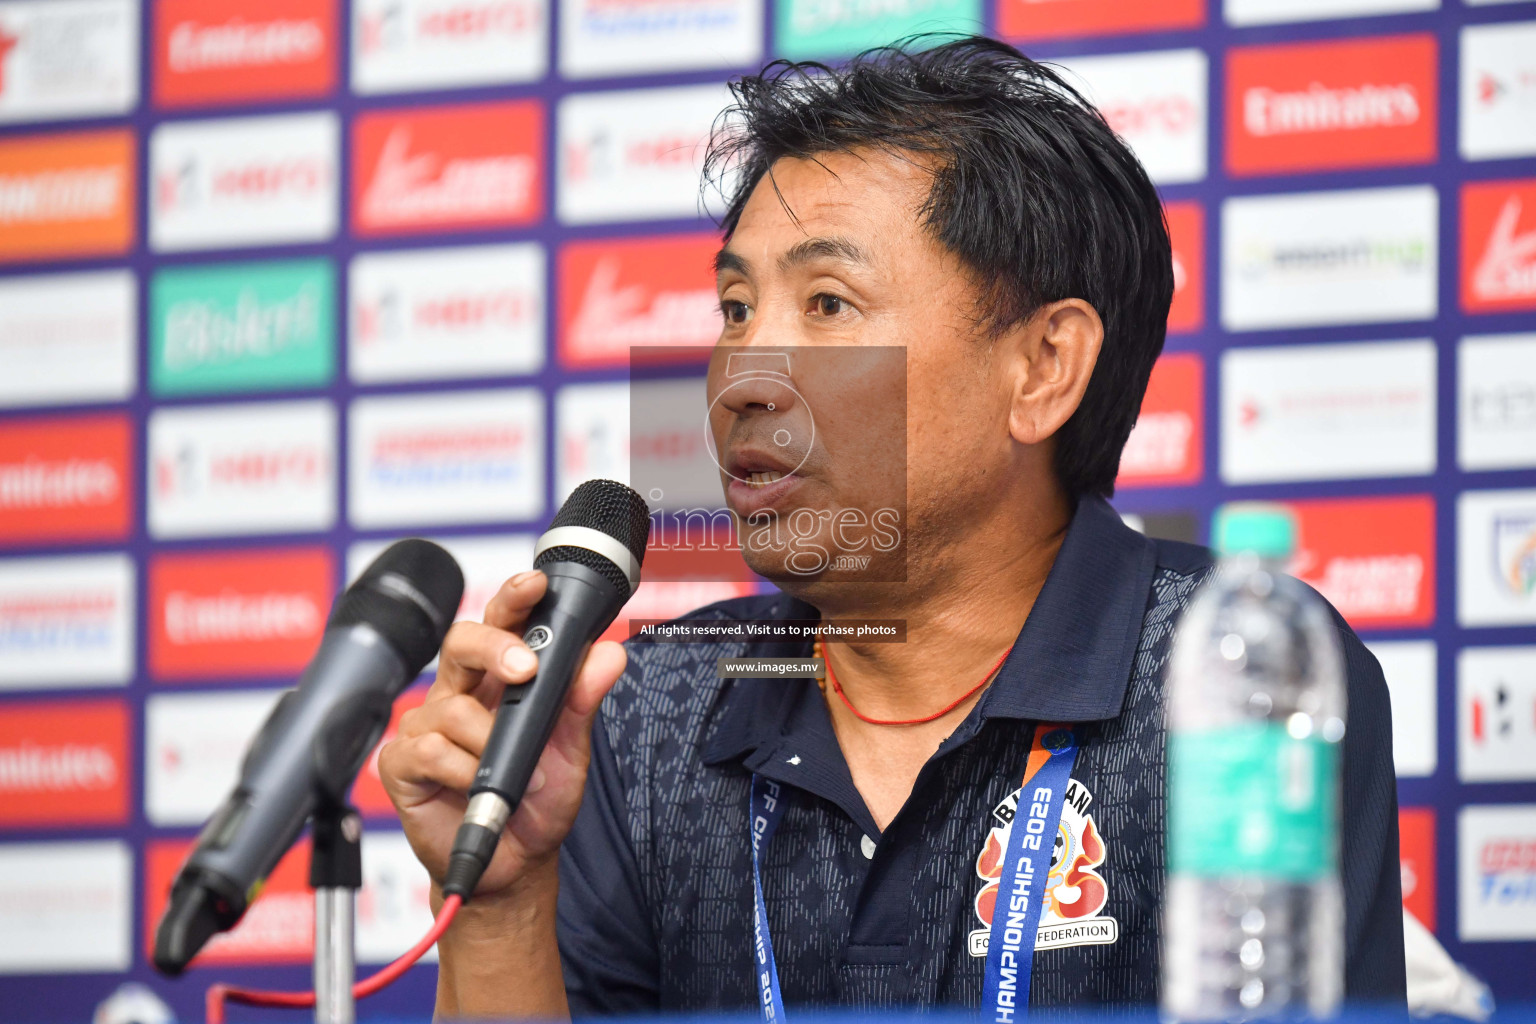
[[335, 874]]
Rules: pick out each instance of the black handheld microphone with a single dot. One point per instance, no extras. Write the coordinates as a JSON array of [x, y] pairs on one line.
[[382, 631], [591, 554]]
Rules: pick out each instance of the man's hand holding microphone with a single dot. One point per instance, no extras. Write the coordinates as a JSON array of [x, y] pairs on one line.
[[527, 714]]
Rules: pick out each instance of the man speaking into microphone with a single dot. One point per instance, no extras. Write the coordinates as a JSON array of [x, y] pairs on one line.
[[690, 842]]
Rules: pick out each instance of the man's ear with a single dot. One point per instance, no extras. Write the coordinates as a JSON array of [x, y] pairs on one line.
[[1055, 352]]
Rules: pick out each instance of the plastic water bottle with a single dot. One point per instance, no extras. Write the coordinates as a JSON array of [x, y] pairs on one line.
[[1253, 922]]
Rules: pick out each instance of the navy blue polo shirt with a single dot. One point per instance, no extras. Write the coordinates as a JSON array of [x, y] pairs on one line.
[[656, 877]]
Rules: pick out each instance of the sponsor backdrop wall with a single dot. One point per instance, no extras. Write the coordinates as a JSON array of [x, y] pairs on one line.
[[282, 281]]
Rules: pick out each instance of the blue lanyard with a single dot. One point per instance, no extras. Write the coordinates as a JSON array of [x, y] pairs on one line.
[[1020, 894], [767, 807]]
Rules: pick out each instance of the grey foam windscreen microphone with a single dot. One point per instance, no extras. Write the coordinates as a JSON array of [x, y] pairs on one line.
[[382, 632]]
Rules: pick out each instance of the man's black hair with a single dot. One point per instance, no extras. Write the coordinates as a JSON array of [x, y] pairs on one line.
[[1033, 192]]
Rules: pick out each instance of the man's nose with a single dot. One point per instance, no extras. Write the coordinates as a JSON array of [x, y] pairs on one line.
[[755, 381]]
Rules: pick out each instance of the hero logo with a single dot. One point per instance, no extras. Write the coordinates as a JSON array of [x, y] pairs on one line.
[[634, 155], [538, 638], [400, 45], [447, 313], [1375, 99], [620, 293], [387, 25], [247, 181], [1498, 90], [1498, 246], [193, 746], [257, 181], [1497, 868], [465, 166], [253, 468], [1157, 103]]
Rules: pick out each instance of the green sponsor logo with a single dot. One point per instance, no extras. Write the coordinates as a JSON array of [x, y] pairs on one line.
[[243, 327], [838, 28]]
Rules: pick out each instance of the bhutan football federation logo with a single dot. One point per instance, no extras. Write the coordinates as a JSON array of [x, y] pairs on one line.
[[1075, 893]]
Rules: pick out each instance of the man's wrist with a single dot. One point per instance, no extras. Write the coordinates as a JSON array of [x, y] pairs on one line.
[[527, 905], [501, 936]]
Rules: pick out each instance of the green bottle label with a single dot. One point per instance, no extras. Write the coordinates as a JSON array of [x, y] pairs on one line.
[[840, 28], [242, 327], [1252, 798]]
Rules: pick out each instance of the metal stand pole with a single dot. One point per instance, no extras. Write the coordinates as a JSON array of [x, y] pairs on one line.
[[335, 873]]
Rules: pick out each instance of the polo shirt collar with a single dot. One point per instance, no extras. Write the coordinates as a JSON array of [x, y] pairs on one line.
[[1071, 662]]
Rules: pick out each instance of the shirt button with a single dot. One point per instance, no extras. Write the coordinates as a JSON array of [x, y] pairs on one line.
[[868, 846]]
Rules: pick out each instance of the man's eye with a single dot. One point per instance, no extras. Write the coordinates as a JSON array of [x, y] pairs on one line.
[[735, 312], [830, 305]]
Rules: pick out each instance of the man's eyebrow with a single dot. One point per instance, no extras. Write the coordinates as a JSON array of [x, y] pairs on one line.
[[725, 260], [840, 250]]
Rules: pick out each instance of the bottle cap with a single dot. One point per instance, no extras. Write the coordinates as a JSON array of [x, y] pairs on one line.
[[1268, 530]]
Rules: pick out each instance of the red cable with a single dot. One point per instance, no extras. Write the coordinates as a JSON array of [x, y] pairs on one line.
[[219, 993]]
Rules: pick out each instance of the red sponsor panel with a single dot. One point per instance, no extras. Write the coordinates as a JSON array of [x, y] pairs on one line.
[[1372, 558], [279, 927], [1054, 19], [244, 613], [368, 794], [1340, 103], [1416, 853], [616, 294], [443, 168], [66, 478], [1186, 231], [224, 51], [64, 763], [1498, 246], [66, 195], [1166, 445]]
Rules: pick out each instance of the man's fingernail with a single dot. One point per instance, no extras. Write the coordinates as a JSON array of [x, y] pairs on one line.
[[519, 660], [522, 577]]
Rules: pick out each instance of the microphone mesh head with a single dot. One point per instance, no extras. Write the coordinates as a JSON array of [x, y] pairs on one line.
[[410, 594], [609, 507]]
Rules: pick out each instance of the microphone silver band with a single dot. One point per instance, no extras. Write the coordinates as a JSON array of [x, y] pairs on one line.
[[595, 541]]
